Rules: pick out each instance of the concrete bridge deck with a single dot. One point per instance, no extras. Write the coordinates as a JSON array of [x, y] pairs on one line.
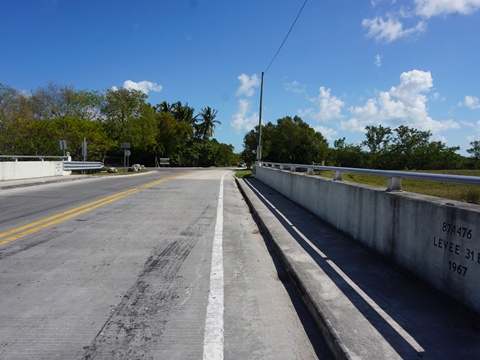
[[366, 308]]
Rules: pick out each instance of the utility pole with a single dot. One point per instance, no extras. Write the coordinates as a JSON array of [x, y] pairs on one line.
[[259, 148]]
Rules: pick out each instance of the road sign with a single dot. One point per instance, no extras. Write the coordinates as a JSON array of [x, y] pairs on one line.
[[63, 145], [125, 145], [128, 153]]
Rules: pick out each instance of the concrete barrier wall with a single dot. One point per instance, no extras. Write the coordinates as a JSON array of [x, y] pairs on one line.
[[436, 239], [14, 170]]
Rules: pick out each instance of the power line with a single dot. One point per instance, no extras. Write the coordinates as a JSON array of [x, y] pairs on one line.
[[289, 31]]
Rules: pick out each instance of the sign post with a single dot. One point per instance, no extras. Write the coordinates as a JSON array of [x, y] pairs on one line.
[[125, 146], [63, 146]]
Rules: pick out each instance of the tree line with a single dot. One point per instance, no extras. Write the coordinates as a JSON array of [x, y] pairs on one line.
[[293, 141], [33, 124]]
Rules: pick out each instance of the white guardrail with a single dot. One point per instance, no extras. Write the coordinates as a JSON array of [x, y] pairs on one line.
[[67, 165], [394, 178]]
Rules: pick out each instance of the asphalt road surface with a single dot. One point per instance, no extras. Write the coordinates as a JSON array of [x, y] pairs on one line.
[[164, 265]]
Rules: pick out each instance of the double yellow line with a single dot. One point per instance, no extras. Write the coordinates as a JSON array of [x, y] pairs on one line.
[[19, 232]]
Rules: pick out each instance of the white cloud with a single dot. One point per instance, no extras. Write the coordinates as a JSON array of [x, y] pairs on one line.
[[295, 87], [391, 26], [378, 60], [243, 119], [429, 8], [328, 133], [144, 86], [401, 105], [475, 133], [437, 97], [467, 124], [249, 83], [367, 112], [390, 29], [471, 102], [327, 107]]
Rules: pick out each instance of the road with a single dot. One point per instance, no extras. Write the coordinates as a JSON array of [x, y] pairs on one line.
[[164, 265]]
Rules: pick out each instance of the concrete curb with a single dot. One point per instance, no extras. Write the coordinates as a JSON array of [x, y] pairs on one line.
[[316, 309], [12, 184], [34, 182]]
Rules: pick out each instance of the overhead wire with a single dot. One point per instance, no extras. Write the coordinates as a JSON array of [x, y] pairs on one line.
[[259, 148], [285, 39]]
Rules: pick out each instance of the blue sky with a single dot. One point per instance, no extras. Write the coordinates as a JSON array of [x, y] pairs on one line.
[[346, 64]]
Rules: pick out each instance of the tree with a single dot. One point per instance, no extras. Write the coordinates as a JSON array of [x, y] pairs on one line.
[[144, 129], [74, 130], [14, 116], [172, 137], [406, 148], [122, 111], [294, 141], [33, 124], [474, 151], [250, 143], [207, 124], [219, 154], [347, 155], [378, 139], [290, 141], [55, 101], [183, 113], [164, 107]]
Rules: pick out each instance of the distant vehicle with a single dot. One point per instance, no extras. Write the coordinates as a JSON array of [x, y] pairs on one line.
[[242, 164]]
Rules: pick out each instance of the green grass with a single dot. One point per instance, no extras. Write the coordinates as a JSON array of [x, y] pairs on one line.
[[464, 193], [244, 174]]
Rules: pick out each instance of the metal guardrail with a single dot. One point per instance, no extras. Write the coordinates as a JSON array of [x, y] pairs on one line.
[[394, 178], [81, 165]]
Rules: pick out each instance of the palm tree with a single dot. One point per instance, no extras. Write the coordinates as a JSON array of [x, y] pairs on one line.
[[184, 113], [164, 107], [207, 122]]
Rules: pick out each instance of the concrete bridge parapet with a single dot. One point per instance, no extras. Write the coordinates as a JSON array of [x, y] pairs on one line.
[[435, 239]]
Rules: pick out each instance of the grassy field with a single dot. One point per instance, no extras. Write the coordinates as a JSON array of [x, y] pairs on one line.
[[469, 194]]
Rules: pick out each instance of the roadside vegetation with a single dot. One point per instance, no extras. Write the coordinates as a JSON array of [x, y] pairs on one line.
[[33, 123], [293, 141]]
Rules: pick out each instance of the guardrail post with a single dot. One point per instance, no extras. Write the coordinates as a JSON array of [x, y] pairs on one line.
[[338, 176], [292, 169], [310, 171], [281, 167], [394, 184]]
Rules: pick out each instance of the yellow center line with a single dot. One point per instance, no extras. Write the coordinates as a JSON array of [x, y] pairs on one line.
[[33, 227]]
